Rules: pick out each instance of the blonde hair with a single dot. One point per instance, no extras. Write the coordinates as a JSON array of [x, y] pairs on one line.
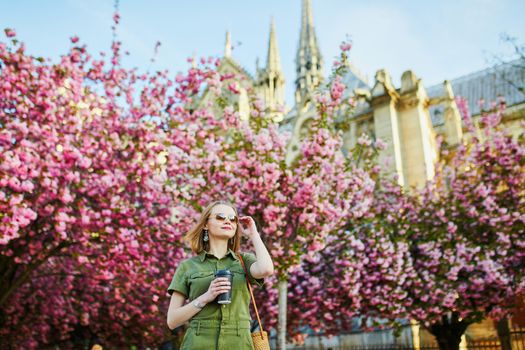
[[195, 236]]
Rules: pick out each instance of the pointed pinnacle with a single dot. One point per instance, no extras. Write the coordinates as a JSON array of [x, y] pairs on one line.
[[273, 62], [228, 45]]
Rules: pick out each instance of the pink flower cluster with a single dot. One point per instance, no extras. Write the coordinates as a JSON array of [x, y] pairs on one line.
[[85, 199]]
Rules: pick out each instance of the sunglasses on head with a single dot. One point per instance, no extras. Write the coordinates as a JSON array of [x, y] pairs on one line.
[[223, 217]]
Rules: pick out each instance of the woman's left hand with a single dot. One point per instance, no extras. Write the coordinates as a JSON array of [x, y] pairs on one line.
[[248, 226]]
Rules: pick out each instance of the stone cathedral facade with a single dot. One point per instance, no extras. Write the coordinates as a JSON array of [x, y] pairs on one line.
[[409, 118]]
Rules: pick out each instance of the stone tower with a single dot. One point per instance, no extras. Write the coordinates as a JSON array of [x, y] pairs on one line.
[[309, 68], [309, 61], [270, 80]]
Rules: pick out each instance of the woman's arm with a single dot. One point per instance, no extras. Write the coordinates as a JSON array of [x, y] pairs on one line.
[[263, 267], [178, 313]]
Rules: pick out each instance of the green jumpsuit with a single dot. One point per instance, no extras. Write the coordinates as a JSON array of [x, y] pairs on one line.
[[216, 326]]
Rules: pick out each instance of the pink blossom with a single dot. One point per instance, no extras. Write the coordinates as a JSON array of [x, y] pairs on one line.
[[345, 46], [10, 33]]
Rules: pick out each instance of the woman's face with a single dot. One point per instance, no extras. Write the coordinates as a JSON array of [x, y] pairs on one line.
[[222, 223]]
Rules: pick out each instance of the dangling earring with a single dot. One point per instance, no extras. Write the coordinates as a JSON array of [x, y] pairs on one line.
[[205, 238]]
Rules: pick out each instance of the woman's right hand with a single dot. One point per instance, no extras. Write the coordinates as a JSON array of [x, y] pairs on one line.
[[217, 286]]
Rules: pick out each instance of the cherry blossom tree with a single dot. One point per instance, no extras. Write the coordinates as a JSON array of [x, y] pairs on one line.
[[87, 209], [321, 299], [446, 256], [451, 254]]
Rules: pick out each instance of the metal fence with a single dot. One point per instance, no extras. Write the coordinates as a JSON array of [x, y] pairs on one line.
[[516, 342], [517, 338], [484, 345]]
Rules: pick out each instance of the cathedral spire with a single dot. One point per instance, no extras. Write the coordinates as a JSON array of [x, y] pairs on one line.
[[228, 45], [273, 62], [270, 80], [309, 61]]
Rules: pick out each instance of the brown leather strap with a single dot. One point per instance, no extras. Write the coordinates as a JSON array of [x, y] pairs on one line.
[[251, 294]]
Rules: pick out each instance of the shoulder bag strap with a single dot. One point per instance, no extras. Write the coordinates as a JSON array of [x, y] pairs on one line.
[[251, 293]]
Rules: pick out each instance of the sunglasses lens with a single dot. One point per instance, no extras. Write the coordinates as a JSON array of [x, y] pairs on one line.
[[223, 217]]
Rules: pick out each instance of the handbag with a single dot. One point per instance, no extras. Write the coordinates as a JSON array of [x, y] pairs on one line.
[[260, 337]]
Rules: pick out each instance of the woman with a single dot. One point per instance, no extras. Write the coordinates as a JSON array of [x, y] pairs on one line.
[[215, 240]]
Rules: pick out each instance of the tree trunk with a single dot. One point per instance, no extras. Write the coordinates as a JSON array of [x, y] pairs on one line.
[[448, 333], [504, 334], [13, 279], [281, 326]]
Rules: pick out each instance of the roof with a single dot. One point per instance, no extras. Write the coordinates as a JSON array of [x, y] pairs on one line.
[[237, 66], [488, 85]]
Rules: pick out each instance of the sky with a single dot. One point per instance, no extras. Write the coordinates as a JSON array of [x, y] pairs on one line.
[[437, 40]]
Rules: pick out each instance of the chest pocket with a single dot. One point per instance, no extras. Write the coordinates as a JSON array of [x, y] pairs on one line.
[[239, 277], [199, 282]]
